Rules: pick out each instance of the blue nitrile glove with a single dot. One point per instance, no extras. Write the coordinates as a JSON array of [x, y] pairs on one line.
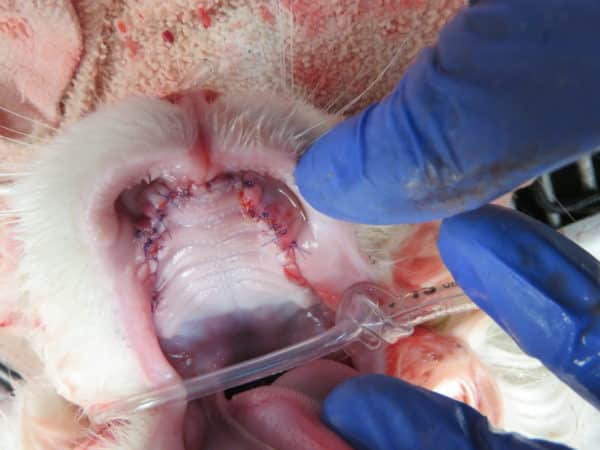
[[376, 412], [511, 90], [540, 287]]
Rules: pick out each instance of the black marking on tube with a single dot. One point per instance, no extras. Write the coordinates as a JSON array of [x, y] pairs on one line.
[[230, 393], [4, 369]]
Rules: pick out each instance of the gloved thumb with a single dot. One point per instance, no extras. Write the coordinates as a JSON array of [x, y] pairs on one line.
[[509, 92], [377, 412], [539, 286]]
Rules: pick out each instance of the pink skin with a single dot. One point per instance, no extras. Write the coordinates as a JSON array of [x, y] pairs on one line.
[[417, 262], [446, 365], [337, 49], [28, 84]]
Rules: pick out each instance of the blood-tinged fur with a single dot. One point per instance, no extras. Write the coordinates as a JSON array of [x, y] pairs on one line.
[[445, 364]]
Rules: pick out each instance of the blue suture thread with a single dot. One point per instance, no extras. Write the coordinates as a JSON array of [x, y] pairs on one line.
[[147, 245]]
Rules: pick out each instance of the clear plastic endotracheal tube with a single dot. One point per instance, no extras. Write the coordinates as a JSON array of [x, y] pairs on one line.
[[367, 313], [388, 317]]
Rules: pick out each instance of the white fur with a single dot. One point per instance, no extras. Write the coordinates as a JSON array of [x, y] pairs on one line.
[[82, 344], [535, 402], [51, 202]]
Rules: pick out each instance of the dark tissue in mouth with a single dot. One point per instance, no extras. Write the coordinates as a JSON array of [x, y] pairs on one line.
[[340, 357], [266, 381], [212, 343]]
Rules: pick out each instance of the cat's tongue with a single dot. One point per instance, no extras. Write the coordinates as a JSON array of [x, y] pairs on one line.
[[292, 403]]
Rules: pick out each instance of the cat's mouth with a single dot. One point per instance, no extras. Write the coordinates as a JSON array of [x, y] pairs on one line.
[[221, 266], [195, 249], [226, 252], [221, 263]]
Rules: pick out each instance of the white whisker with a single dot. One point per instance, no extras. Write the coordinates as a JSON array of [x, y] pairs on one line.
[[319, 124], [378, 78], [10, 222], [6, 189], [292, 49], [14, 174], [312, 95], [343, 92], [308, 130], [18, 142], [334, 101], [282, 30], [9, 213], [565, 210], [14, 130], [387, 264], [37, 122], [285, 122]]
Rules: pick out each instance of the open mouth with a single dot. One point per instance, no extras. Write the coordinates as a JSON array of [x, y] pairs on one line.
[[221, 265], [195, 249], [225, 253]]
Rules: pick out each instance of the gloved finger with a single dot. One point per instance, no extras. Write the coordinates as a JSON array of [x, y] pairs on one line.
[[509, 92], [377, 412], [540, 287]]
